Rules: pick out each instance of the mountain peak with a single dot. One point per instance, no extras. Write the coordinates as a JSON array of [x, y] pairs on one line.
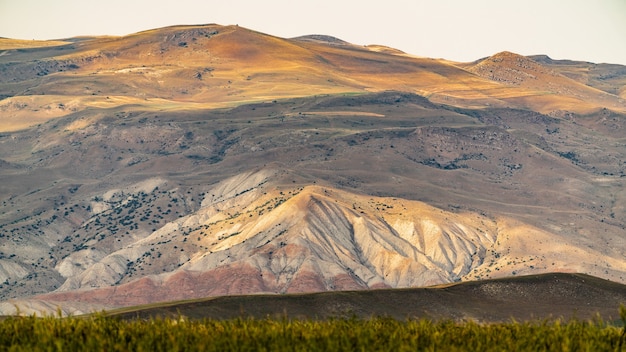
[[321, 38], [506, 54], [510, 68]]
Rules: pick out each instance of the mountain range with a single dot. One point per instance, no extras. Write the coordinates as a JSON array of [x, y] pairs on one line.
[[196, 161]]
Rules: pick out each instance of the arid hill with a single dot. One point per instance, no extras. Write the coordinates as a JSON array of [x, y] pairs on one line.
[[198, 67], [516, 70], [195, 161]]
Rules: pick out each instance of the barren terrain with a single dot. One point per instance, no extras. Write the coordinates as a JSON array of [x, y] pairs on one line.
[[195, 161]]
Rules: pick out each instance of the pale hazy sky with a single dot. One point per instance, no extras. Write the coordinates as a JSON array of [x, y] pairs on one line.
[[461, 30]]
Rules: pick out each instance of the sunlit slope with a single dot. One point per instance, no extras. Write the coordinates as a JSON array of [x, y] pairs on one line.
[[557, 90], [610, 78], [11, 44], [215, 66], [251, 237]]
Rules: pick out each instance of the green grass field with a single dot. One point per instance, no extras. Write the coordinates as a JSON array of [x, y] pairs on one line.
[[101, 333]]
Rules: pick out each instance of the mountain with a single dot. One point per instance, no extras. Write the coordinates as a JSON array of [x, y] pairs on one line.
[[607, 77], [516, 70], [195, 161], [218, 66]]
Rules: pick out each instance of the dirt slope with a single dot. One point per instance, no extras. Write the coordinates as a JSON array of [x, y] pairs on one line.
[[206, 160]]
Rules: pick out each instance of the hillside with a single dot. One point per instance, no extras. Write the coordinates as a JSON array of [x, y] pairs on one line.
[[195, 161], [199, 67], [519, 71], [610, 78], [527, 298]]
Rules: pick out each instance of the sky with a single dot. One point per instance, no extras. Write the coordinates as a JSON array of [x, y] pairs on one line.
[[458, 30]]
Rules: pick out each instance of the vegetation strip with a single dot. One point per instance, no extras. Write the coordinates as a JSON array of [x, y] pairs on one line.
[[102, 333]]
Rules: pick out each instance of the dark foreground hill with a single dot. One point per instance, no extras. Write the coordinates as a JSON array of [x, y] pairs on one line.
[[532, 297]]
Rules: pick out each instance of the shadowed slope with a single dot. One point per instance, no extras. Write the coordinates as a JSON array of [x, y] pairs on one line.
[[524, 298]]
